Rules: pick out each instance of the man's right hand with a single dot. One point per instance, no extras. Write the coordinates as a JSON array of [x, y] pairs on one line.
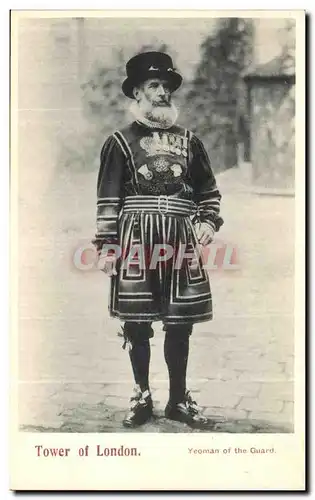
[[107, 264]]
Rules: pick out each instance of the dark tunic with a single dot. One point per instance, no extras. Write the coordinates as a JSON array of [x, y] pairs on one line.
[[153, 184]]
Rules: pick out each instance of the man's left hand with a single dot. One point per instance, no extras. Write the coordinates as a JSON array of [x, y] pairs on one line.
[[205, 233]]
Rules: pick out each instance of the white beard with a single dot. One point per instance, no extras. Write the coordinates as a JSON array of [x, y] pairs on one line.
[[154, 116]]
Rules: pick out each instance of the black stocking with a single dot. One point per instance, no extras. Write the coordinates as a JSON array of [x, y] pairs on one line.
[[140, 353], [176, 350]]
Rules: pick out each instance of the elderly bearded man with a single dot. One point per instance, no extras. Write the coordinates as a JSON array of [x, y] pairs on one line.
[[156, 187]]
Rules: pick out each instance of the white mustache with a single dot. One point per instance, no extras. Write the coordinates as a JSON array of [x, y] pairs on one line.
[[158, 103]]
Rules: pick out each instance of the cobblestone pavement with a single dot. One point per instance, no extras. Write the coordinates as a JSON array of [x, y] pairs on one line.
[[73, 374]]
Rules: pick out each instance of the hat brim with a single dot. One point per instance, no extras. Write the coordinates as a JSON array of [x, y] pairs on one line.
[[174, 79]]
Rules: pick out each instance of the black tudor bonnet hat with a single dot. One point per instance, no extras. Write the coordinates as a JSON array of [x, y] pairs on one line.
[[150, 65]]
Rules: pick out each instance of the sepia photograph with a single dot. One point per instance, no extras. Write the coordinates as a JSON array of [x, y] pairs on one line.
[[156, 183]]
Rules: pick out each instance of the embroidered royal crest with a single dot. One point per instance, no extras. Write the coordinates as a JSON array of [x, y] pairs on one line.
[[164, 143]]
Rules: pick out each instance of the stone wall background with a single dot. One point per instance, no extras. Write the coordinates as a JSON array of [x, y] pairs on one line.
[[273, 134]]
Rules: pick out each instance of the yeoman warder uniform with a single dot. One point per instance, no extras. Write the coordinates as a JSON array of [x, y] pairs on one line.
[[154, 185]]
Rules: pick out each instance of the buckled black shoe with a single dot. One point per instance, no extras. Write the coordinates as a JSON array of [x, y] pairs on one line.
[[141, 409], [187, 411]]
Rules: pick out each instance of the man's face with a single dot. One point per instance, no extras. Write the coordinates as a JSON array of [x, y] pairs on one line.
[[155, 92]]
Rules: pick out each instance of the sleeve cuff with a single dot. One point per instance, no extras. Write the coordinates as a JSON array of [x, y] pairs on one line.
[[215, 221], [98, 242]]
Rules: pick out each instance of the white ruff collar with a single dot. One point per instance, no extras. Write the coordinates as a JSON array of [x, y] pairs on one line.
[[164, 124]]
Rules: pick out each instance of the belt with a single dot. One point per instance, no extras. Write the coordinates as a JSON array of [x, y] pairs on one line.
[[159, 204]]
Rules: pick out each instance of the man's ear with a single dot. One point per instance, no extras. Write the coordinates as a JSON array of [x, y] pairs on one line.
[[136, 93]]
